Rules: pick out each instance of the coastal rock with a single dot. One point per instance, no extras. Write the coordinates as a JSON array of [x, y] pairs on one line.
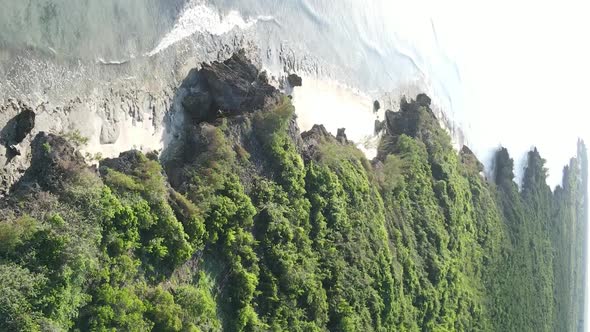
[[312, 139], [376, 106], [109, 134], [423, 100], [125, 163], [54, 162], [468, 158], [341, 136], [18, 127], [414, 119], [235, 87], [199, 105], [379, 125], [294, 80]]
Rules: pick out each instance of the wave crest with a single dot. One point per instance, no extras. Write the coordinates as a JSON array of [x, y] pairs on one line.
[[197, 17]]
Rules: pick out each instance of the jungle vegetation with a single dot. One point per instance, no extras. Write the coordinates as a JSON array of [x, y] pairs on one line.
[[249, 231]]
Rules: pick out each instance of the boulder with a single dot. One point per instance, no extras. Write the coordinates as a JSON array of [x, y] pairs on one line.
[[109, 132], [341, 136], [294, 80], [376, 106], [423, 100], [312, 140]]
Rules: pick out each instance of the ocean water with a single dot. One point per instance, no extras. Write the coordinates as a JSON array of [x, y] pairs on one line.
[[349, 52]]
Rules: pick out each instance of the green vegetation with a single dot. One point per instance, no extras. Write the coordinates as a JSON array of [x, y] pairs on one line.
[[243, 233], [75, 138]]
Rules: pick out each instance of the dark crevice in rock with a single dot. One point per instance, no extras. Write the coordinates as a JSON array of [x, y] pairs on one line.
[[16, 130], [229, 88]]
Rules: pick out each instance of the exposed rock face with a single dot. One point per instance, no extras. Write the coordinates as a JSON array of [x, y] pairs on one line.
[[316, 133], [469, 158], [403, 122], [379, 125], [376, 106], [294, 80], [199, 105], [53, 162], [25, 122], [228, 88], [13, 150], [312, 139], [341, 136], [109, 134], [423, 100], [125, 163], [415, 119]]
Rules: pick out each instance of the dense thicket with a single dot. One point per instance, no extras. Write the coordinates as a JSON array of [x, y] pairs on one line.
[[253, 228]]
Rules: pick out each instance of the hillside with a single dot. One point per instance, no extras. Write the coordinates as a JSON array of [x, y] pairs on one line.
[[243, 223]]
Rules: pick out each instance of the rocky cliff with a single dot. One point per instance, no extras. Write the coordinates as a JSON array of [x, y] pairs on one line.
[[243, 223]]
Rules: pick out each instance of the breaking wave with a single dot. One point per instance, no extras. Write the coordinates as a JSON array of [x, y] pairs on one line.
[[197, 17]]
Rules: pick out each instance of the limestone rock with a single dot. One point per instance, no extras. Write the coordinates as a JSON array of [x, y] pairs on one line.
[[109, 133]]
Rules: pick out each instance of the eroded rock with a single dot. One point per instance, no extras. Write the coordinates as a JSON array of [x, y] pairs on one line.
[[109, 133], [234, 86], [376, 106], [468, 158], [54, 162], [125, 163], [294, 80], [341, 136], [199, 105], [423, 100]]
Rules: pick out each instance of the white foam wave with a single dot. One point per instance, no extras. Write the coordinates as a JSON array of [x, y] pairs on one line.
[[197, 17], [111, 62]]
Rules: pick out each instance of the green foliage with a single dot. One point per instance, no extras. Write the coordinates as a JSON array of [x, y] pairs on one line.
[[254, 238], [291, 294], [46, 147], [142, 218], [75, 138], [20, 289], [199, 305]]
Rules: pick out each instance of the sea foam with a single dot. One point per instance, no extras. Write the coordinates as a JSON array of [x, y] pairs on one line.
[[197, 17]]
